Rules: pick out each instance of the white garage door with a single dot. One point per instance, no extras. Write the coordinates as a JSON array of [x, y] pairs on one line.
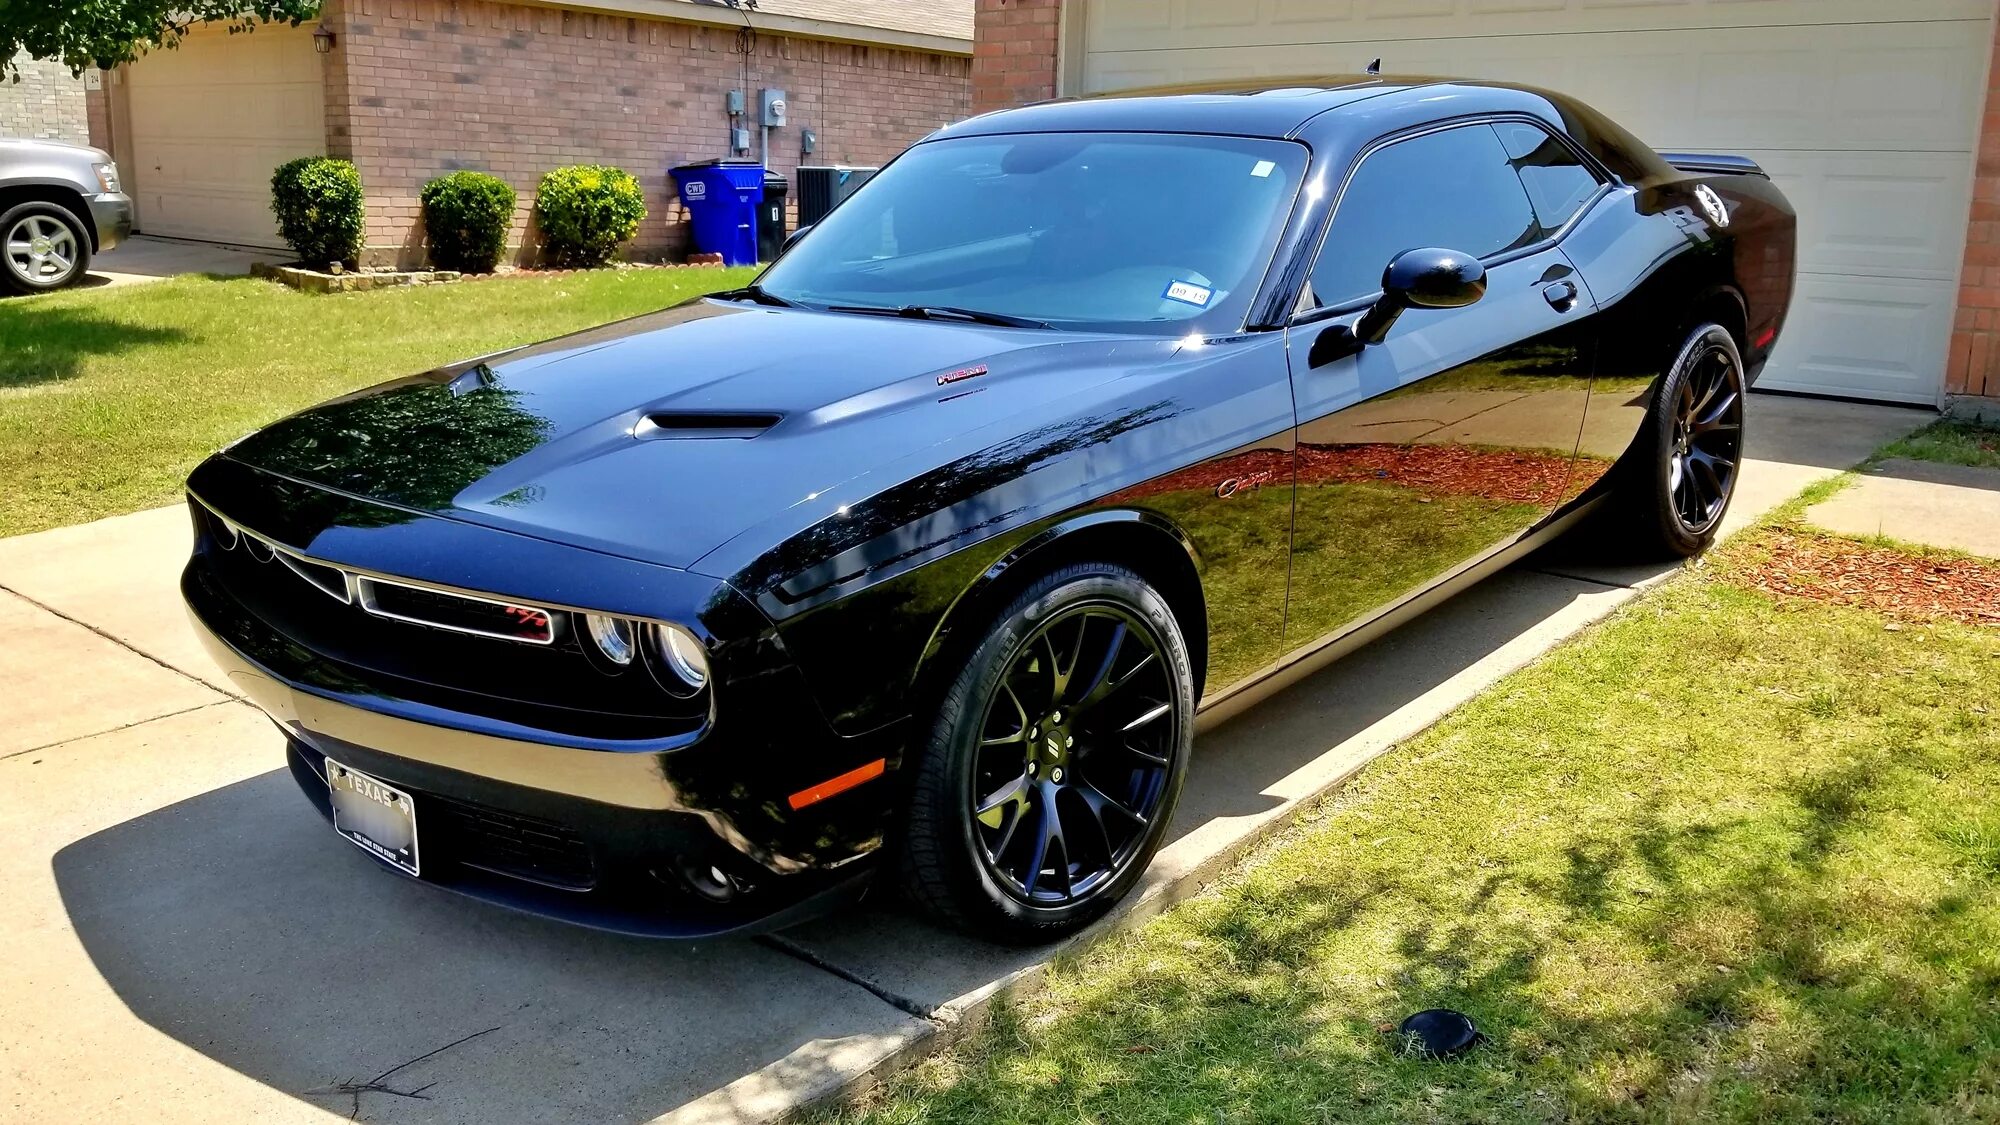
[[1864, 111], [209, 122]]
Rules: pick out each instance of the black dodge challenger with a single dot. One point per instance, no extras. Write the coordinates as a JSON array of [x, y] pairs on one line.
[[925, 555]]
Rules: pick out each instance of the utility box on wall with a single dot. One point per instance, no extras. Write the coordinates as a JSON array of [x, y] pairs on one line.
[[771, 105]]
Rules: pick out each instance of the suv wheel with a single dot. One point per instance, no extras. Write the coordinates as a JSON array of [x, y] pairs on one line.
[[42, 247]]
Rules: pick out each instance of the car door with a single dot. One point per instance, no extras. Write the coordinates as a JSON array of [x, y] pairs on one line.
[[1454, 436]]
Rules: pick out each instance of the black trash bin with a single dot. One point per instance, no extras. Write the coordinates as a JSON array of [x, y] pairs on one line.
[[771, 227]]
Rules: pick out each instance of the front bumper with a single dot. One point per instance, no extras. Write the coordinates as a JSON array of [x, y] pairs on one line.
[[591, 837], [111, 215]]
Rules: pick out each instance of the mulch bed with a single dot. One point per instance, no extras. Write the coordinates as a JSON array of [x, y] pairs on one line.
[[1896, 584]]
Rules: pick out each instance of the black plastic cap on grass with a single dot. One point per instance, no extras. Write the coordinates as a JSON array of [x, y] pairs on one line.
[[1439, 1033]]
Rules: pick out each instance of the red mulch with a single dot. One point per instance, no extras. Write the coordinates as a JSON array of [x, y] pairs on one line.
[[1513, 476], [1894, 583]]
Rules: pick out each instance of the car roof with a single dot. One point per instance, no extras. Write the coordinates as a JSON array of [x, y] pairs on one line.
[[1257, 107]]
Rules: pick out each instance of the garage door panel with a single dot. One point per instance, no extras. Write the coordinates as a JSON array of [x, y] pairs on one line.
[[1116, 25], [1876, 214], [211, 120], [1677, 89], [1865, 337]]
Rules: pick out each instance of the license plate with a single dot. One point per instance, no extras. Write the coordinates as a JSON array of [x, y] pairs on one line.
[[375, 816]]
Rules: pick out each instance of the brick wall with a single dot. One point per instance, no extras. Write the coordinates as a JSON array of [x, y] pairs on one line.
[[1974, 367], [45, 104], [1014, 52], [422, 87]]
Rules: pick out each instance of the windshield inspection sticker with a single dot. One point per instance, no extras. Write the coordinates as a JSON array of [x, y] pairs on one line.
[[1263, 168], [1188, 293]]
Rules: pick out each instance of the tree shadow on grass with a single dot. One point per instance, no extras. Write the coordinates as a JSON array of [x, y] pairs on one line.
[[1739, 967], [40, 344]]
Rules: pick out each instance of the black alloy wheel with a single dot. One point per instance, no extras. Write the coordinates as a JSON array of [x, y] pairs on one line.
[[1057, 760], [1693, 452]]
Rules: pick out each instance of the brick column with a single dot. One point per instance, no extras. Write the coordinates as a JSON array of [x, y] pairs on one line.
[[1973, 371], [97, 111], [1014, 57]]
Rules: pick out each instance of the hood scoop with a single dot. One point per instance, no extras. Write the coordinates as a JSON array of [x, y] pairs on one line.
[[664, 424]]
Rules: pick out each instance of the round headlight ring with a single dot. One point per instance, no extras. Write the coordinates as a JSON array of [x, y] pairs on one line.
[[683, 657], [615, 637]]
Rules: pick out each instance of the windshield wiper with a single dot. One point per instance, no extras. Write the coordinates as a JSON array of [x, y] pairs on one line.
[[757, 293], [935, 312]]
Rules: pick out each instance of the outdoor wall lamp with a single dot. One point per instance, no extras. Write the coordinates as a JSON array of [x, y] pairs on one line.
[[323, 39]]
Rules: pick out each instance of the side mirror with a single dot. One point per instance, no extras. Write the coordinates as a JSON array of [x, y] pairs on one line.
[[1422, 279], [794, 237]]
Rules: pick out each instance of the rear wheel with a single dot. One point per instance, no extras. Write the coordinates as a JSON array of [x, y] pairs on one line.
[[1683, 471], [42, 247], [1055, 762]]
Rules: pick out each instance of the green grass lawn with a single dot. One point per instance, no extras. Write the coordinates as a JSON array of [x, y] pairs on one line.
[[108, 398], [1953, 442], [1718, 858]]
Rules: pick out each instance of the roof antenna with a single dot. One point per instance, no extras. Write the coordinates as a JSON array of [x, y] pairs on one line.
[[1375, 67]]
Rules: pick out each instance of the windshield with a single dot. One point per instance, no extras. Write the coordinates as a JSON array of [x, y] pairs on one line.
[[1098, 231]]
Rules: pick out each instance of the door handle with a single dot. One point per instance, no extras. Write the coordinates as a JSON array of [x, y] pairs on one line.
[[1561, 296]]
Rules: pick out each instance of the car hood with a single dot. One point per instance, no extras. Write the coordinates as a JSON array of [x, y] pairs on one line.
[[662, 437]]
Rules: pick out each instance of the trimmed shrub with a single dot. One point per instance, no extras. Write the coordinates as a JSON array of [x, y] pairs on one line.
[[466, 218], [585, 211], [317, 200]]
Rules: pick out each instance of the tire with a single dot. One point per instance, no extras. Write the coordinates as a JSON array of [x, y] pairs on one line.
[[42, 247], [1103, 745], [1683, 469]]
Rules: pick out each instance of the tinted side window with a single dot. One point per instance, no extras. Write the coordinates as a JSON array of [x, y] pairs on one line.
[[1557, 182], [1455, 190]]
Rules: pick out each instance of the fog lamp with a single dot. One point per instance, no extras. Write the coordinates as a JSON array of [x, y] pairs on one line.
[[613, 637]]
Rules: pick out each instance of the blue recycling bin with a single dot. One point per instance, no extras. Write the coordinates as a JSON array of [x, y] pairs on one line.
[[721, 198]]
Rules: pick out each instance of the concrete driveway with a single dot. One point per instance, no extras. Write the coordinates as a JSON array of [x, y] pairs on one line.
[[187, 941], [143, 258]]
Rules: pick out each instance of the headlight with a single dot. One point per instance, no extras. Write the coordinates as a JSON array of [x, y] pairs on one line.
[[107, 176], [612, 636], [684, 659]]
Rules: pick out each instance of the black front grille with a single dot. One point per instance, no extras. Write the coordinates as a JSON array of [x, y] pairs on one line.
[[504, 843], [300, 624]]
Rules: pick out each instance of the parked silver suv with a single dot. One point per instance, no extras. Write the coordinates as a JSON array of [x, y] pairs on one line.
[[59, 204]]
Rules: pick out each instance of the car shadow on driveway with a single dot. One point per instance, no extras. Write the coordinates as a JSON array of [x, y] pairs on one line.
[[237, 924]]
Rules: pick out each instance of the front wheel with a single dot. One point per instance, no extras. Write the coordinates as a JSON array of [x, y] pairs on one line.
[[1055, 762], [1683, 471], [42, 247]]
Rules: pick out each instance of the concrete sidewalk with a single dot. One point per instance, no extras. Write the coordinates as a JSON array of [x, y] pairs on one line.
[[187, 941], [1956, 507]]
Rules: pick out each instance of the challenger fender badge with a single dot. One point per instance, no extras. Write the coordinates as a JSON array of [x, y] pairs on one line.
[[1718, 212], [961, 375]]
